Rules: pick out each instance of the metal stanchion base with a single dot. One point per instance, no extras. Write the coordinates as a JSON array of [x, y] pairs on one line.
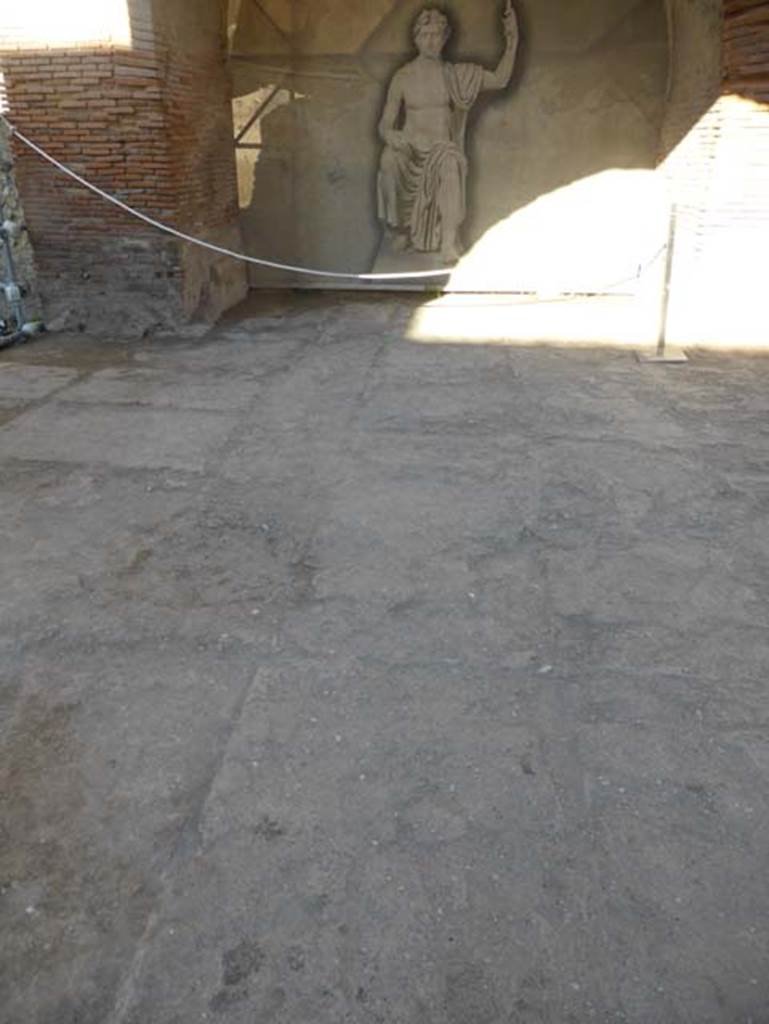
[[10, 338], [668, 355]]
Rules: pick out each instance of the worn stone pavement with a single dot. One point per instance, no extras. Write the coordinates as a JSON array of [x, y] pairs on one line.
[[350, 680]]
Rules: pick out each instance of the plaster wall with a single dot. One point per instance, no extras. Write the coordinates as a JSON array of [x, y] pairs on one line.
[[609, 102], [561, 193]]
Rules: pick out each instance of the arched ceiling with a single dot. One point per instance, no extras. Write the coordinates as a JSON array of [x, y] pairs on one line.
[[352, 27]]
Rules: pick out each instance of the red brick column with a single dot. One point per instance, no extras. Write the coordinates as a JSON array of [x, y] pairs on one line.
[[147, 119]]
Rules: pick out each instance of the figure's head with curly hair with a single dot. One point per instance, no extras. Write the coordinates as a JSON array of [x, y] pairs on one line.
[[431, 32]]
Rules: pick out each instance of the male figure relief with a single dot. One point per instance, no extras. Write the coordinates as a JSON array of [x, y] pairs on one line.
[[423, 170]]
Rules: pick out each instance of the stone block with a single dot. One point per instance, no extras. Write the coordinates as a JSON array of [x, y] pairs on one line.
[[134, 438], [160, 389], [20, 384]]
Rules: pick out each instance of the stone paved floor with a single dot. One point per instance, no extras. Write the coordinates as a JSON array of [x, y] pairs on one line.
[[348, 680]]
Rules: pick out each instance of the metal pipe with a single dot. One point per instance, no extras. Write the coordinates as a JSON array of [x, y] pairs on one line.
[[10, 284], [665, 310]]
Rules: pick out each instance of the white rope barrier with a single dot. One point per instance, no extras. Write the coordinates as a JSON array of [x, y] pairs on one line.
[[256, 261], [221, 250]]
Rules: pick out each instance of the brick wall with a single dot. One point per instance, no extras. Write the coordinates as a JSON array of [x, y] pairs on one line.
[[715, 153], [688, 143], [123, 114], [141, 106], [742, 179], [746, 48]]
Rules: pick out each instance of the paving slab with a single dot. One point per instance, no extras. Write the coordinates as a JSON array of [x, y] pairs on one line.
[[214, 392], [351, 680], [20, 384], [132, 438]]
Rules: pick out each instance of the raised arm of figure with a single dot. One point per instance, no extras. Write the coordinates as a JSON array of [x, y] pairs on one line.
[[500, 77]]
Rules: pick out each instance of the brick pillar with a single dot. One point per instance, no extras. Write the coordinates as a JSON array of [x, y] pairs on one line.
[[138, 101], [715, 146], [736, 229], [689, 140]]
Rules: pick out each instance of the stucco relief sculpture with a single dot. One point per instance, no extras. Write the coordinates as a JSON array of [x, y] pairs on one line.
[[423, 169]]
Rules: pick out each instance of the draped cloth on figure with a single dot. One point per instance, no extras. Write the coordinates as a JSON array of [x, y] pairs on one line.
[[411, 181]]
